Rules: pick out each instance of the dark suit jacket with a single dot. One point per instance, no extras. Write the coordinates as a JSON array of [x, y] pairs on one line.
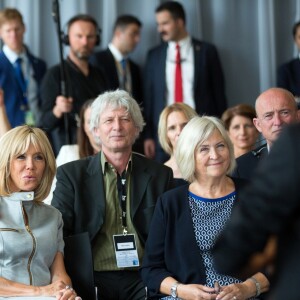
[[248, 162], [171, 249], [209, 87], [80, 195], [105, 60], [12, 90], [288, 76], [269, 206]]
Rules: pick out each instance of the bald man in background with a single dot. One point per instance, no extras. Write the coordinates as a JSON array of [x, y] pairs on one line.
[[275, 108]]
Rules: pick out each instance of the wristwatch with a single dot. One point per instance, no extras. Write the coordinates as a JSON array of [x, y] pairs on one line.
[[174, 289]]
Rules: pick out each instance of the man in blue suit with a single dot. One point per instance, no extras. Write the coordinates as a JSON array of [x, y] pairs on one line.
[[21, 91], [202, 75]]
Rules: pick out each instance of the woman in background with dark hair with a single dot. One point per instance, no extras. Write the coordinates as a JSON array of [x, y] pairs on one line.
[[86, 143], [238, 121]]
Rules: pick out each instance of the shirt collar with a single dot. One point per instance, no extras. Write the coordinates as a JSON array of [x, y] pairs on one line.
[[11, 55], [21, 196], [105, 163], [184, 43], [115, 52]]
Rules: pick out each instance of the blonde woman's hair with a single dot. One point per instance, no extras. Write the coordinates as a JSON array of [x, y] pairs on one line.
[[188, 112], [198, 130], [17, 141]]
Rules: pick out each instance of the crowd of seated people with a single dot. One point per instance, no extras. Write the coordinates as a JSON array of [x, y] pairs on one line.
[[152, 217]]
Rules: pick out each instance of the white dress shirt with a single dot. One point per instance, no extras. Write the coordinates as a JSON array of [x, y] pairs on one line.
[[118, 57], [187, 70]]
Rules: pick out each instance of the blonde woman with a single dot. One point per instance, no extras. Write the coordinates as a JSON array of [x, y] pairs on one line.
[[171, 122], [32, 262], [178, 261]]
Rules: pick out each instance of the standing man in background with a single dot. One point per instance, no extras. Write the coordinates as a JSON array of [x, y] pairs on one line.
[[121, 71], [181, 69], [20, 72], [83, 81], [288, 75]]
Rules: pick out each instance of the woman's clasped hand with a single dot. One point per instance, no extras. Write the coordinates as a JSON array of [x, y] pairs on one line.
[[60, 290]]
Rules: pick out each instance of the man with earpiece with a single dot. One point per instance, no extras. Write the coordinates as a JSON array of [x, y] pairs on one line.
[[82, 81]]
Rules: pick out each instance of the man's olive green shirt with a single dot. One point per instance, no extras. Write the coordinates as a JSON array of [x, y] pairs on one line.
[[103, 248]]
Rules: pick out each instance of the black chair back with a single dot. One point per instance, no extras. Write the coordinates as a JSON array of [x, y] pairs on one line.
[[79, 265]]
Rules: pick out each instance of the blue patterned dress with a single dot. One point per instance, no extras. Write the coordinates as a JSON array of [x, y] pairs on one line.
[[209, 217]]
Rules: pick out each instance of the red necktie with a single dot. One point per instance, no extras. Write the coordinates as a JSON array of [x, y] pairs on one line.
[[178, 77]]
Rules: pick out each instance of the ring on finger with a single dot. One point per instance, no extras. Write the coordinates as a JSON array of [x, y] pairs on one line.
[[234, 298], [69, 288]]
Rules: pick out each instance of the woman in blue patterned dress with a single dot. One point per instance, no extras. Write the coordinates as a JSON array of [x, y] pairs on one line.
[[178, 263]]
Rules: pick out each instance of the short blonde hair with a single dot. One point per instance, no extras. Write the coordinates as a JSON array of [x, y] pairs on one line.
[[197, 131], [10, 14], [17, 141], [188, 112]]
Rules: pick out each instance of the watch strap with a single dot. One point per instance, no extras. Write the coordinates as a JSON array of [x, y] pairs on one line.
[[257, 285], [174, 289]]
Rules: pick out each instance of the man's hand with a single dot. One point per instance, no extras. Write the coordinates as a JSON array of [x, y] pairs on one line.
[[62, 105]]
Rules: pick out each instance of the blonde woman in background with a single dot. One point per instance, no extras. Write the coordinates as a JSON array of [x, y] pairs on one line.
[[171, 122]]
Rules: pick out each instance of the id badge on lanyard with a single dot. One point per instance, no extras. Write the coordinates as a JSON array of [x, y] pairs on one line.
[[125, 245], [125, 251]]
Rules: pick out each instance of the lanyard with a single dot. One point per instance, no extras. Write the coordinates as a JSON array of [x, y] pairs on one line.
[[122, 193]]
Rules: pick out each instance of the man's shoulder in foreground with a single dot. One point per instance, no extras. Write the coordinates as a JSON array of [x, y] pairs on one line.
[[247, 162]]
